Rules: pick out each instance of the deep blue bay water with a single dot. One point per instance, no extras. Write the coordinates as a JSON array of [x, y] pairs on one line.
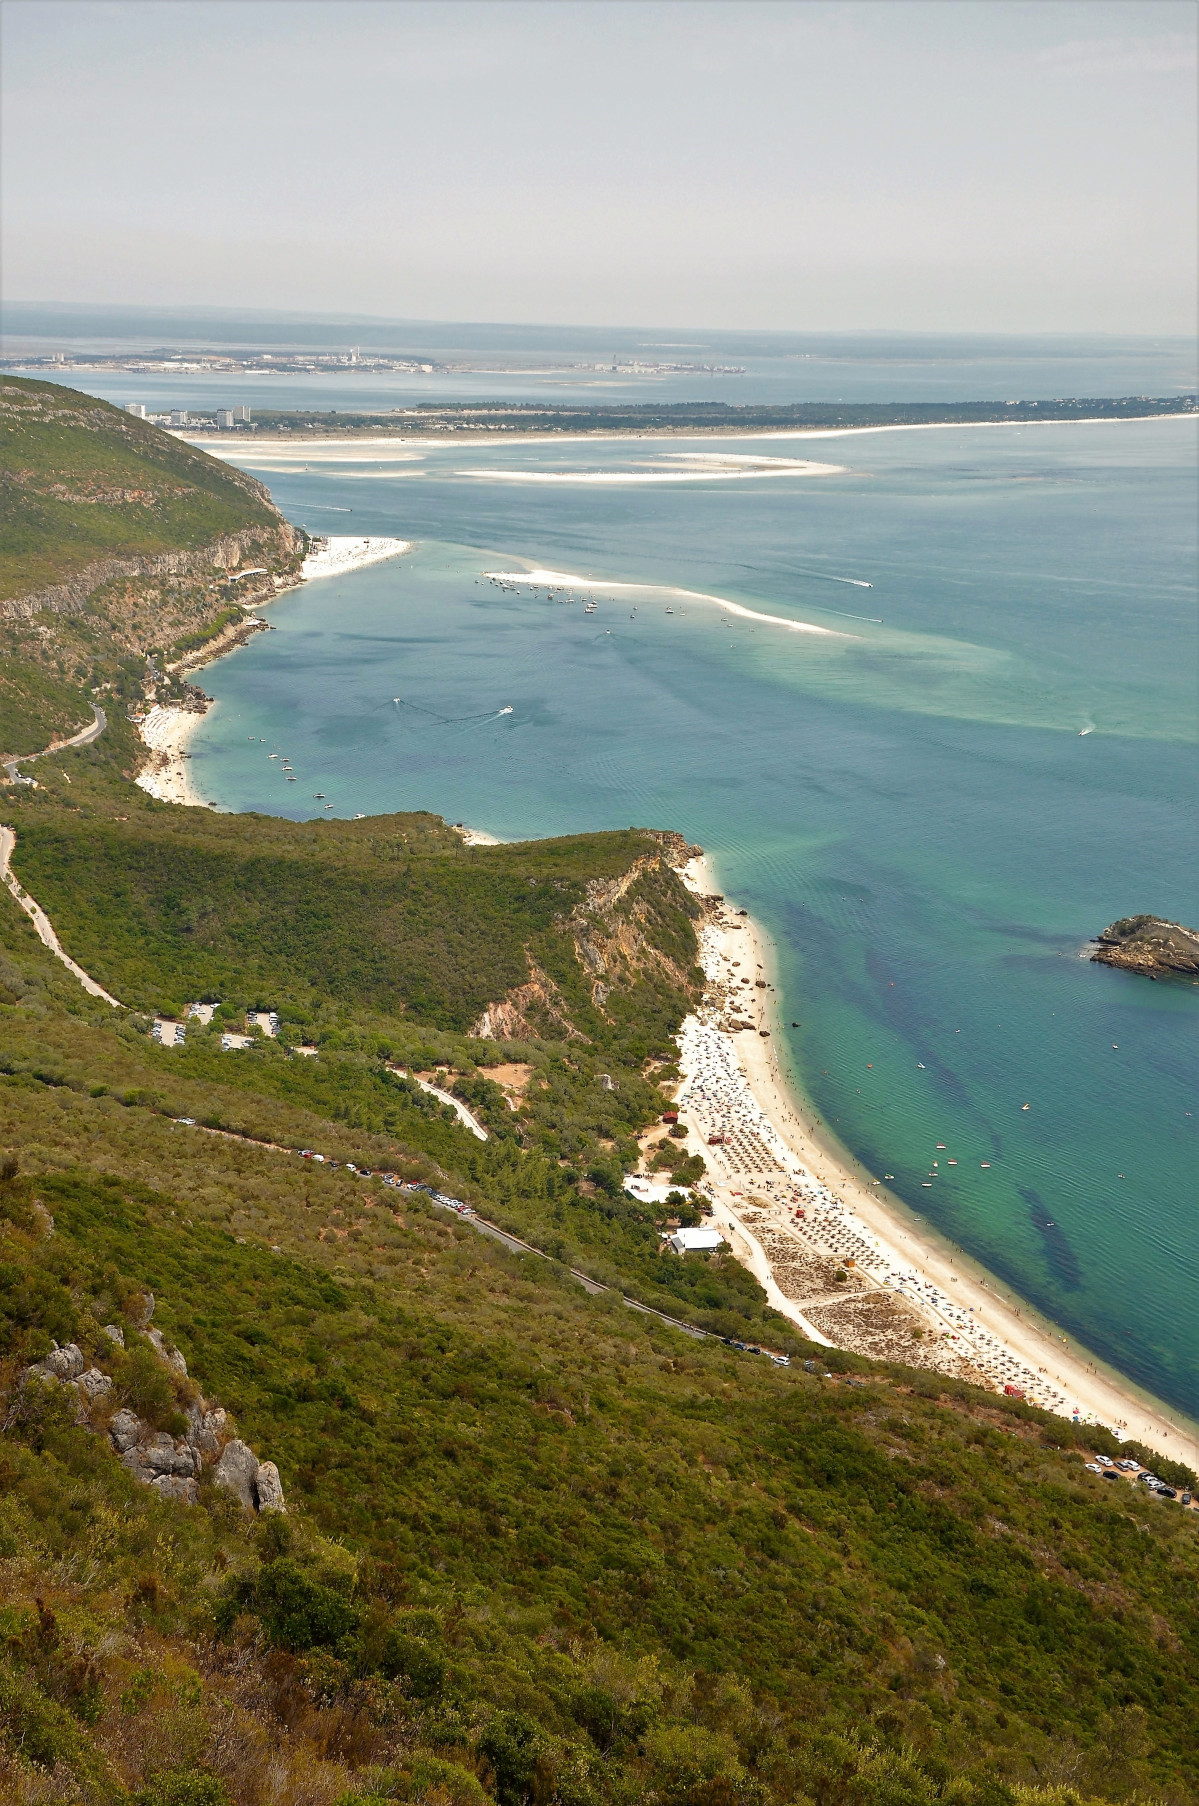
[[913, 811]]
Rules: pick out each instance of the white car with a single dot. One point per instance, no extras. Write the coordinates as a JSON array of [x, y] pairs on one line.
[[1104, 1460], [1093, 1467]]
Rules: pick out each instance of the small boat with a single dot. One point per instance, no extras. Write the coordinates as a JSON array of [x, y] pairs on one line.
[[293, 780]]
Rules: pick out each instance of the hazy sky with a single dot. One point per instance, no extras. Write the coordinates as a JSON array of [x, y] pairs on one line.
[[959, 164]]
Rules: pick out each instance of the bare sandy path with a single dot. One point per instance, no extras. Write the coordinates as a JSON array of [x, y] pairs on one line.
[[42, 923]]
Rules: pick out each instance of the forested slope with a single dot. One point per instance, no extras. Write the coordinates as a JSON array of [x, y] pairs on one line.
[[538, 1547]]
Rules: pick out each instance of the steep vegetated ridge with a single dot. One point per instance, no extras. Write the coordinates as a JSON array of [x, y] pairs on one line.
[[116, 542], [538, 1547]]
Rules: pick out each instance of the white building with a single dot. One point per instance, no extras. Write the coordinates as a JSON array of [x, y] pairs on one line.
[[696, 1241], [137, 408], [180, 417], [242, 413], [224, 417]]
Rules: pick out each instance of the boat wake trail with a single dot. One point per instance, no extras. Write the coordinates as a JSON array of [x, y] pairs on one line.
[[400, 702], [827, 577]]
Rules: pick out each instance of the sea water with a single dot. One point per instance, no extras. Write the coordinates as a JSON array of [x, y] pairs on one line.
[[932, 806], [572, 366]]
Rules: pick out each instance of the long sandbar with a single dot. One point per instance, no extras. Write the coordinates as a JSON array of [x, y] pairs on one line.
[[370, 445]]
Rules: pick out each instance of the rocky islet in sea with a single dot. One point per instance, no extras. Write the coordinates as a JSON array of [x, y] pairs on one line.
[[1149, 944]]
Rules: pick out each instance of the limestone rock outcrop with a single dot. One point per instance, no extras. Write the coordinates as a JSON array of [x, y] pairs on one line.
[[172, 1465], [1149, 944]]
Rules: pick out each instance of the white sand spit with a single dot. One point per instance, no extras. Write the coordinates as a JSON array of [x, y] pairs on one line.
[[675, 467], [342, 553], [601, 585]]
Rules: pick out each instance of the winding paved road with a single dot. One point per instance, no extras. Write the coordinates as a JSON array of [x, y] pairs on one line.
[[84, 737]]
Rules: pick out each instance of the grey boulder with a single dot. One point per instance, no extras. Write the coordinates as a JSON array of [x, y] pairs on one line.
[[64, 1363], [160, 1455], [174, 1486], [207, 1428], [125, 1429], [269, 1487], [237, 1469], [166, 1352]]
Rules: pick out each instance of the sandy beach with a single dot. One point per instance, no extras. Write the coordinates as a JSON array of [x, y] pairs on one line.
[[167, 732], [342, 553], [836, 1253]]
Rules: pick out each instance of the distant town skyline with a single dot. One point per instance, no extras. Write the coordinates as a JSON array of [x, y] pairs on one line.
[[920, 165]]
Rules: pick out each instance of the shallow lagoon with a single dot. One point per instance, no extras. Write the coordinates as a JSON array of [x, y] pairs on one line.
[[914, 810]]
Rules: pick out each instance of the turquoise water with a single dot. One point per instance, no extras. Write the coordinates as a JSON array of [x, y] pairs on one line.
[[913, 810]]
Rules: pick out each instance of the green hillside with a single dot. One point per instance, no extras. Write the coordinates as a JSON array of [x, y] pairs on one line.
[[82, 484], [81, 480], [539, 1547]]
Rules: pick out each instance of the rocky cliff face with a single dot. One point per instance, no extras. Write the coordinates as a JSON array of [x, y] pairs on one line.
[[612, 938], [1149, 944], [279, 545]]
